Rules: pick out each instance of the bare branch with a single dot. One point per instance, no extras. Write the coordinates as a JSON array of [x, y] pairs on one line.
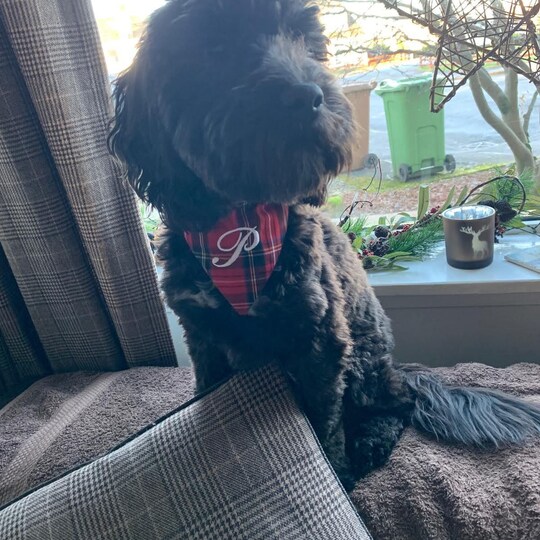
[[522, 153], [493, 90], [512, 116], [528, 114], [511, 87]]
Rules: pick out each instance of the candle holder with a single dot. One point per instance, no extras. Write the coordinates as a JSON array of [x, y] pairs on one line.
[[469, 234]]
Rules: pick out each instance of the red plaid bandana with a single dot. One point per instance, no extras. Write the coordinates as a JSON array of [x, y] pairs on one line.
[[240, 252]]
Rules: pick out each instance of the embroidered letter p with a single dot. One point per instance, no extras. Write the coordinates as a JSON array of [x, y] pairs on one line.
[[245, 235]]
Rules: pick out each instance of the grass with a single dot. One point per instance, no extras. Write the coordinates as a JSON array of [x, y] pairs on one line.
[[360, 181]]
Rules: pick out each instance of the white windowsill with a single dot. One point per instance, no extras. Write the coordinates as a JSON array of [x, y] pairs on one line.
[[435, 276], [442, 315]]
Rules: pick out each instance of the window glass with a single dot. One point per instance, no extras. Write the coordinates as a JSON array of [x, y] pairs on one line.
[[385, 63]]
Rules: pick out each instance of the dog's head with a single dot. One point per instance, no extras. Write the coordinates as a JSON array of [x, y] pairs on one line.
[[229, 101]]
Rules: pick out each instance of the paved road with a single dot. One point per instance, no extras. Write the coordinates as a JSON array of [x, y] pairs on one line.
[[468, 137]]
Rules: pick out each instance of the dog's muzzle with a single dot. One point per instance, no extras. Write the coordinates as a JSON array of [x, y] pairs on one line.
[[304, 99]]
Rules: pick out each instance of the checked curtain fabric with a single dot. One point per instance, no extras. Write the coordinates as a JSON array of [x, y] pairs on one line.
[[78, 289]]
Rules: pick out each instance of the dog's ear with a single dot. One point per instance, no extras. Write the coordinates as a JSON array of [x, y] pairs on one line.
[[132, 129], [135, 136], [152, 166]]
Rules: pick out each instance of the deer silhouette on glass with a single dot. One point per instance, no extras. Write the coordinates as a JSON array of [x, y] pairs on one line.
[[480, 247]]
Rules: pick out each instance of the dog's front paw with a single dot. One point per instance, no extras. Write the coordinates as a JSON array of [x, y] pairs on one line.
[[372, 445]]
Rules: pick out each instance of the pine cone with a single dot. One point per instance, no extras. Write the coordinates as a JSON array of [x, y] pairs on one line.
[[504, 210], [381, 232], [379, 247]]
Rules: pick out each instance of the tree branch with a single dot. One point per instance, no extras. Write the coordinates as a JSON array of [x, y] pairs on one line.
[[528, 114], [380, 51], [512, 117], [523, 154], [493, 90], [511, 87]]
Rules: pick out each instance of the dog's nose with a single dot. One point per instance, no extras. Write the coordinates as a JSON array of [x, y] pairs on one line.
[[305, 98]]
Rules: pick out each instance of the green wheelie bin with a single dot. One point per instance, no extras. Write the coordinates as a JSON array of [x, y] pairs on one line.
[[416, 135]]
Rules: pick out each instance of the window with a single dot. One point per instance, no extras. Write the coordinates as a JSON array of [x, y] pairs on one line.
[[453, 149], [120, 24]]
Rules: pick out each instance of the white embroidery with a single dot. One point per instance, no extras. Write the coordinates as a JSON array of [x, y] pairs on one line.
[[245, 234]]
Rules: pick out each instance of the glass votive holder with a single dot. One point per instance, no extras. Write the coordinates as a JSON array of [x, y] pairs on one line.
[[469, 235]]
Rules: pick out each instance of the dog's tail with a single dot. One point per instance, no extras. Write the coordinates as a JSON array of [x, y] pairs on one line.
[[471, 416]]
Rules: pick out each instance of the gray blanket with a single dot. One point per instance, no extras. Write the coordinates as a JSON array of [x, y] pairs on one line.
[[63, 421], [439, 492]]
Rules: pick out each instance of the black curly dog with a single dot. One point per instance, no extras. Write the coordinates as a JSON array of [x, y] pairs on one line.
[[229, 102]]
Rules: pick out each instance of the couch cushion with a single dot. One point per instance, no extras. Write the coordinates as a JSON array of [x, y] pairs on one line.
[[240, 462], [436, 491]]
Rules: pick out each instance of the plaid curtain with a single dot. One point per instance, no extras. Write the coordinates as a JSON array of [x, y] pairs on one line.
[[78, 288]]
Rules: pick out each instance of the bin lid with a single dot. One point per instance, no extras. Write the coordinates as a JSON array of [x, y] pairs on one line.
[[349, 87], [403, 85]]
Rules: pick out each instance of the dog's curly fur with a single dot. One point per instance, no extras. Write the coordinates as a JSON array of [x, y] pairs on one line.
[[229, 101]]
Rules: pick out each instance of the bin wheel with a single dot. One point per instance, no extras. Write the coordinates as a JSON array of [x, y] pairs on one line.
[[404, 172], [449, 163], [370, 161]]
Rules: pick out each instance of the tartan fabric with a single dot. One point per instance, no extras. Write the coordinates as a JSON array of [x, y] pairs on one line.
[[69, 226], [238, 463], [21, 354], [241, 251]]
